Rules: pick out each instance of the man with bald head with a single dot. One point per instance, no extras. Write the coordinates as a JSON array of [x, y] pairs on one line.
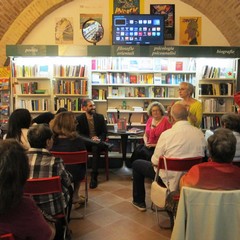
[[181, 141]]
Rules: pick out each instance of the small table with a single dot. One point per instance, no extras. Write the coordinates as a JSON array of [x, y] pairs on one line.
[[124, 137]]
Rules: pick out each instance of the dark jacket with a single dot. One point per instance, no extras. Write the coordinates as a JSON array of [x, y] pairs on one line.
[[99, 125]]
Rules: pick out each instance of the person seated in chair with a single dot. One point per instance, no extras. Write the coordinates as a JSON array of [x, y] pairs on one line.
[[43, 164], [66, 139], [181, 141], [218, 173], [19, 215], [93, 130]]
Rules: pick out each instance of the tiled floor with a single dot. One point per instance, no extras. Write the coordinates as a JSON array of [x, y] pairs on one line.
[[110, 214]]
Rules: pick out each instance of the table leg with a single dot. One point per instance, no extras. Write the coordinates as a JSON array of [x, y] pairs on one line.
[[124, 138]]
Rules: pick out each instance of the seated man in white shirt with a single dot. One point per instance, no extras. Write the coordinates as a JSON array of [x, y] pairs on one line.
[[181, 141]]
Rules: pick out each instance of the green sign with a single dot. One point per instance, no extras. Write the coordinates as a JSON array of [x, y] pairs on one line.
[[32, 50], [163, 51]]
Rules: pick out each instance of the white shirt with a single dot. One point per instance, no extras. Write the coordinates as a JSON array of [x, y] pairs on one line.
[[181, 141]]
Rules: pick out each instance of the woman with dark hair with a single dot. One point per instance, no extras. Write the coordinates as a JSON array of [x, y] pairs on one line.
[[66, 139], [18, 214], [18, 125]]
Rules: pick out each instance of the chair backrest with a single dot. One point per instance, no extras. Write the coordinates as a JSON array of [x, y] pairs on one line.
[[72, 157], [7, 236], [179, 164], [43, 186], [207, 214]]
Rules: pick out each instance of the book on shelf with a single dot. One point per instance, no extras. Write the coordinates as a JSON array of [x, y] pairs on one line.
[[129, 91], [157, 78], [223, 88], [133, 79], [95, 94], [179, 66], [210, 105], [206, 89], [137, 109], [226, 72], [121, 91]]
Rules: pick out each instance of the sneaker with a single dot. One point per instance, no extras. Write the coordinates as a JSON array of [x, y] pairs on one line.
[[140, 206]]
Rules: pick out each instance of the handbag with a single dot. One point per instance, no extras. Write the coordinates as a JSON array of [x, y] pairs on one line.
[[158, 193]]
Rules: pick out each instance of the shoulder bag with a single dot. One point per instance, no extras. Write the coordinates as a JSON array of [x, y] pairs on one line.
[[159, 193]]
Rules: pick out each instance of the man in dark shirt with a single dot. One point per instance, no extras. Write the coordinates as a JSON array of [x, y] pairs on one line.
[[93, 129]]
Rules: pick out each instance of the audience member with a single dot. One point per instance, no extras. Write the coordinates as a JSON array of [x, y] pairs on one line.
[[18, 125], [19, 215], [62, 109], [194, 107], [181, 141], [66, 139], [155, 126], [218, 173], [45, 117], [93, 129], [44, 164]]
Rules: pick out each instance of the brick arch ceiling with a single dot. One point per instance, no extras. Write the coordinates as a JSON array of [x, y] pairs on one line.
[[19, 17]]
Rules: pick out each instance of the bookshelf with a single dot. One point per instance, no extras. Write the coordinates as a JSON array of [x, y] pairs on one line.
[[217, 85], [129, 84]]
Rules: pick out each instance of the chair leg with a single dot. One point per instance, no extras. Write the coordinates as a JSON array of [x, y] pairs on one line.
[[156, 210], [107, 166]]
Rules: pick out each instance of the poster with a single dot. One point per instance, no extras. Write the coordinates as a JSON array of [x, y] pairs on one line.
[[190, 31], [64, 31], [168, 11], [126, 7]]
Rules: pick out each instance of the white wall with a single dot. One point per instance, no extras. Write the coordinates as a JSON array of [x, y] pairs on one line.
[[44, 32]]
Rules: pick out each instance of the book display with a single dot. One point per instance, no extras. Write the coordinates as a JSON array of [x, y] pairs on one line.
[[123, 80], [138, 81], [216, 88]]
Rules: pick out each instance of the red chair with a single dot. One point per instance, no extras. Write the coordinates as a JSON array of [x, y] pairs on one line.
[[45, 186], [7, 236], [79, 157], [179, 165]]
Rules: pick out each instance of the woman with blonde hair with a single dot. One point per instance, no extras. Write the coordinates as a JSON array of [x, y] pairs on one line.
[[193, 106], [66, 139]]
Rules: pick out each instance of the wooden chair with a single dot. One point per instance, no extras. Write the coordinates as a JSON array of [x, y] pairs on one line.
[[45, 186], [8, 236], [79, 157], [179, 165], [104, 154]]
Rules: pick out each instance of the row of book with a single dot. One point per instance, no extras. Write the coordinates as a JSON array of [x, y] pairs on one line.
[[79, 86], [146, 78], [69, 70], [26, 88], [217, 72], [142, 92], [210, 122], [99, 94], [216, 89], [143, 64], [112, 118], [33, 105], [71, 104], [214, 105], [30, 70]]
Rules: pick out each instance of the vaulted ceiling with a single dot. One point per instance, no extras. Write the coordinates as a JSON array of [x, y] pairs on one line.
[[19, 17]]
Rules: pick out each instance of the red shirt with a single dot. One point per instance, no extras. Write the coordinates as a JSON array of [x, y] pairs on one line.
[[25, 222], [213, 176]]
